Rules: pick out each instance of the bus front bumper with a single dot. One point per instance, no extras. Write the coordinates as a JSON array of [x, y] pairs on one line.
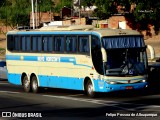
[[101, 86]]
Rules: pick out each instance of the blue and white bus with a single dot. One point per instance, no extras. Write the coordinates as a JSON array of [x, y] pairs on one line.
[[78, 58]]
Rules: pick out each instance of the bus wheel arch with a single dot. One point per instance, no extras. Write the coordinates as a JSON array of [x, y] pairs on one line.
[[89, 87], [25, 82], [34, 83]]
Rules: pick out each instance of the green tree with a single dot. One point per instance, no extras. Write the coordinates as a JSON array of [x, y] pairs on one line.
[[46, 5], [17, 12], [2, 2], [105, 8], [61, 4], [146, 11]]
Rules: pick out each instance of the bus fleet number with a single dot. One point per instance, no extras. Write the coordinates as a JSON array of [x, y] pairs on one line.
[[41, 59], [49, 59], [52, 59]]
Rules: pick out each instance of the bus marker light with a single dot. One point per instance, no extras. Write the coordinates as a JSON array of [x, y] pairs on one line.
[[129, 81], [129, 87]]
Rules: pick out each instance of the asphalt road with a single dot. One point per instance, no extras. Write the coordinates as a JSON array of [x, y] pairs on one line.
[[67, 104]]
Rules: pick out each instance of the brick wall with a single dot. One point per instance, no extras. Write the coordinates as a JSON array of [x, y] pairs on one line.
[[78, 21], [113, 22]]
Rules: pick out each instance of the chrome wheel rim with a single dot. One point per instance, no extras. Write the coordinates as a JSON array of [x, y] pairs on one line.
[[90, 88], [34, 85], [26, 83]]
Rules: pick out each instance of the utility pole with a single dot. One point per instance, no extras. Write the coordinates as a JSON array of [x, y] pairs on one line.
[[33, 14], [79, 11], [50, 11], [71, 8], [36, 14], [39, 2], [6, 15]]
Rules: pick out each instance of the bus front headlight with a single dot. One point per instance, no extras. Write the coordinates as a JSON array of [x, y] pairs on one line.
[[143, 80], [111, 82]]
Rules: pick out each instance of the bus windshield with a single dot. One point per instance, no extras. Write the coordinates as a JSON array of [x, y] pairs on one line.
[[126, 62], [126, 56]]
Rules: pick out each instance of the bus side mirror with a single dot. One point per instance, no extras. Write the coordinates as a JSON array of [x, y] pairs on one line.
[[152, 51], [104, 55]]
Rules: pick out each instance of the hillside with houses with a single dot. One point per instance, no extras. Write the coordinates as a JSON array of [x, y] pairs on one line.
[[118, 14]]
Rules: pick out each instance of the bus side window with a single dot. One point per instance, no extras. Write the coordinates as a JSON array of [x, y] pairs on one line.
[[83, 44], [59, 43], [50, 44], [71, 44], [23, 43], [39, 44], [28, 44], [10, 42], [95, 43], [96, 54], [34, 43], [17, 43], [45, 43]]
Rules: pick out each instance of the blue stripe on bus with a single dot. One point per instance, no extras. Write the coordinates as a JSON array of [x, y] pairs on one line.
[[61, 82], [12, 57], [51, 81], [75, 83], [35, 58], [30, 58], [14, 78]]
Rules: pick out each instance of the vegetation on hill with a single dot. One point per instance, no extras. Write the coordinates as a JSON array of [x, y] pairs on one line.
[[16, 12], [145, 11]]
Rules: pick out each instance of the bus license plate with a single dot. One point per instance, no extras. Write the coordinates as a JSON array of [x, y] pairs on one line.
[[129, 87]]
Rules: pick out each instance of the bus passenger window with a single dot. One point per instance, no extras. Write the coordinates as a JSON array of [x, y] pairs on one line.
[[96, 54], [84, 44], [59, 44], [28, 42], [45, 43], [23, 43], [17, 43], [10, 43], [71, 45], [50, 44], [34, 44], [40, 44]]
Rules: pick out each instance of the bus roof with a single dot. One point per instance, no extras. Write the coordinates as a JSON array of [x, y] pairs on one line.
[[67, 28], [102, 31]]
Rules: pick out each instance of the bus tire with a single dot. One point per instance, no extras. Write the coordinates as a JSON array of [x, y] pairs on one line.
[[34, 84], [89, 89], [26, 84]]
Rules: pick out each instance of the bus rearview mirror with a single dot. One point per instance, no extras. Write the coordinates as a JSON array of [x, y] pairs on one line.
[[104, 55]]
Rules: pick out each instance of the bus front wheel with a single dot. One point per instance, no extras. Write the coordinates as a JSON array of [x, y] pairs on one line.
[[26, 84], [34, 84], [90, 89]]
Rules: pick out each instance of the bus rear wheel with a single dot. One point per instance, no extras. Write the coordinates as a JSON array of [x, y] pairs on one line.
[[26, 84], [34, 84], [90, 89]]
